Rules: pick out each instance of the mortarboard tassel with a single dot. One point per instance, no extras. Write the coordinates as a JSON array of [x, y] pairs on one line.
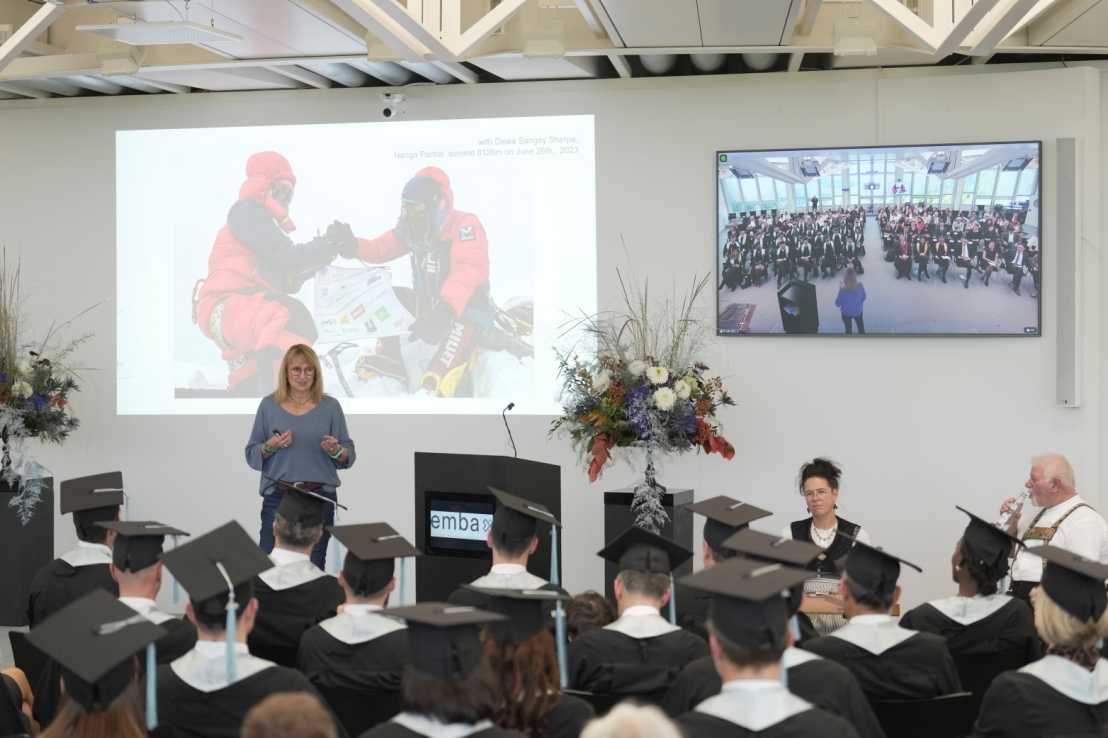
[[232, 608], [560, 643], [151, 686], [176, 584], [672, 602], [554, 579], [403, 581]]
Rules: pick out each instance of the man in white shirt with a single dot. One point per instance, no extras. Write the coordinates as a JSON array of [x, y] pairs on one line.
[[1064, 520]]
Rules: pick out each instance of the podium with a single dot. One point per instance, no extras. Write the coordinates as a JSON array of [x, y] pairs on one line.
[[453, 514], [24, 549]]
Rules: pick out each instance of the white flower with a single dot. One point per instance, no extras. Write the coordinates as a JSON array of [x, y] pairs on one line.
[[601, 380], [637, 368], [683, 387], [23, 368], [22, 390], [657, 374], [664, 398]]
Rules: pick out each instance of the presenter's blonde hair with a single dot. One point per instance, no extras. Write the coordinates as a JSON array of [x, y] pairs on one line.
[[1058, 628], [305, 353], [632, 721]]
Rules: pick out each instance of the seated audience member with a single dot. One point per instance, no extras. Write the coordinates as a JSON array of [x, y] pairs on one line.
[[94, 640], [207, 692], [889, 662], [295, 594], [923, 256], [1016, 265], [942, 258], [361, 648], [449, 688], [725, 516], [822, 682], [632, 721], [512, 539], [641, 652], [137, 571], [1066, 691], [749, 635], [84, 567], [979, 620], [524, 665], [586, 612], [296, 715], [819, 486], [989, 261], [903, 259], [967, 255]]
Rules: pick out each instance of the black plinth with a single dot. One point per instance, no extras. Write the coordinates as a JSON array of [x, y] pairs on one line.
[[24, 549], [618, 518]]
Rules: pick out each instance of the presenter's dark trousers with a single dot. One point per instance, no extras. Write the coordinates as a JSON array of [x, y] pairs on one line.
[[269, 511], [850, 329]]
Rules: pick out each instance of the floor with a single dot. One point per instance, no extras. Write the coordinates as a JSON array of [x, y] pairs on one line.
[[902, 306]]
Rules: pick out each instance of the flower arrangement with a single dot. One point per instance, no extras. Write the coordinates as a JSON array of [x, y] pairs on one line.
[[36, 384], [644, 389]]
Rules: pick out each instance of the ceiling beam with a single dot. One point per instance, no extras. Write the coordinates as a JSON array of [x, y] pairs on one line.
[[584, 7], [488, 23], [58, 87], [964, 27], [403, 44], [998, 25], [344, 74], [304, 76], [808, 17], [51, 66], [387, 72], [95, 84], [795, 60], [26, 34], [920, 29], [166, 86], [623, 67], [789, 27], [23, 90], [399, 15], [458, 71]]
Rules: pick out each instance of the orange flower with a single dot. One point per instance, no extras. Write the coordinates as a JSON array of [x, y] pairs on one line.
[[703, 405], [600, 456]]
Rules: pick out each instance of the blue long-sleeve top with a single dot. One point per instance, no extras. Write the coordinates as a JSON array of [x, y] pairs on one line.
[[304, 460], [850, 301]]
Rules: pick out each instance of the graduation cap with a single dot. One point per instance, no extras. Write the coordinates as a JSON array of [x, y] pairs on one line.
[[872, 569], [96, 492], [726, 516], [372, 549], [516, 520], [774, 549], [640, 550], [138, 544], [302, 505], [94, 640], [987, 545], [444, 640], [213, 565], [749, 599], [1074, 582]]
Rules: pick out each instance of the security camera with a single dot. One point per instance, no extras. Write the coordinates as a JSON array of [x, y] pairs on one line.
[[392, 104]]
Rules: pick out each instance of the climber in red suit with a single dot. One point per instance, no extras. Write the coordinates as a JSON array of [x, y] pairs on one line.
[[449, 254], [246, 304]]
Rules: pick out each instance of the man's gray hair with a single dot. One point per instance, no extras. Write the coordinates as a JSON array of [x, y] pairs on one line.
[[1055, 466]]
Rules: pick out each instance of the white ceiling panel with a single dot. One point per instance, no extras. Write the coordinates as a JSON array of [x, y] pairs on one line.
[[656, 22], [224, 79], [541, 68], [1090, 29], [744, 22]]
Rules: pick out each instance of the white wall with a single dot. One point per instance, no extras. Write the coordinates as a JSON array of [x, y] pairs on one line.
[[919, 425]]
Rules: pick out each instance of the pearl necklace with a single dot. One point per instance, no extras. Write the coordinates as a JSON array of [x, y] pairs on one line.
[[823, 538]]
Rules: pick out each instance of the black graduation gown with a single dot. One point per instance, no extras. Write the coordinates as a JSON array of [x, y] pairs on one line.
[[1020, 704], [284, 615], [12, 719], [692, 610], [187, 712], [813, 723], [331, 664], [915, 669], [568, 717], [177, 642], [1010, 628], [395, 730], [609, 662], [58, 583], [826, 684]]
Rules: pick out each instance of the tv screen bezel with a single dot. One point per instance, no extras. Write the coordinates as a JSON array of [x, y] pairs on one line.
[[1038, 333]]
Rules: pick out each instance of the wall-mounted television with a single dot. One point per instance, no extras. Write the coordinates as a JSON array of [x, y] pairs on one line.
[[921, 240]]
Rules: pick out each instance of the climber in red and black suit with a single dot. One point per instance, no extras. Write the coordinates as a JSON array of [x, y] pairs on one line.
[[449, 254], [245, 305]]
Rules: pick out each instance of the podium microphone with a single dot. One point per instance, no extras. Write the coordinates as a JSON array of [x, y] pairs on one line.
[[504, 417]]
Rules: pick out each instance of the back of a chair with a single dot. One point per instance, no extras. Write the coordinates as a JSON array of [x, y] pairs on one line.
[[977, 672], [361, 709], [949, 716], [28, 658]]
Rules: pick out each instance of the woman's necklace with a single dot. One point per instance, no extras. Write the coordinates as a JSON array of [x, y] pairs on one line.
[[823, 538]]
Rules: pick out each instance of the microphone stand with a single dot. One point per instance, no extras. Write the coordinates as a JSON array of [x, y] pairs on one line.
[[504, 417]]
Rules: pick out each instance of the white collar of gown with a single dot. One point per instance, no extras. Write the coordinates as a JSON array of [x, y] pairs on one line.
[[873, 633], [290, 570], [1071, 680], [360, 624], [754, 704], [641, 621], [968, 610], [434, 729]]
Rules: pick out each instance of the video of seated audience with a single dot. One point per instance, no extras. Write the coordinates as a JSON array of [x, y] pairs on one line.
[[892, 240]]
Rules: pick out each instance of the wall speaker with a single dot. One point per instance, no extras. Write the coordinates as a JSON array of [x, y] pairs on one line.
[[1067, 282]]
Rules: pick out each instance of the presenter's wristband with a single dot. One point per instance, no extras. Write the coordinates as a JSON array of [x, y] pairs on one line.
[[337, 454], [267, 450]]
